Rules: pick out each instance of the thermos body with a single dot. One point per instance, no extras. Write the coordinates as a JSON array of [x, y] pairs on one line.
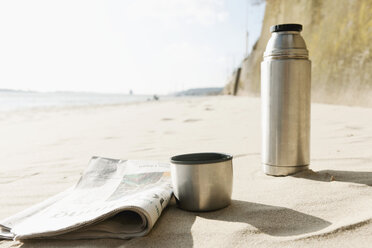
[[285, 96]]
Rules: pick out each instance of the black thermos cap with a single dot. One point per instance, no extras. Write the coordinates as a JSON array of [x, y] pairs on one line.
[[286, 27]]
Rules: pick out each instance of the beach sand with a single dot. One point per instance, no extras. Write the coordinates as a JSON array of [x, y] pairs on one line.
[[44, 151]]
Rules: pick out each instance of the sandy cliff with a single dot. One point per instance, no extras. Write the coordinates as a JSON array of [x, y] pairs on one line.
[[338, 34]]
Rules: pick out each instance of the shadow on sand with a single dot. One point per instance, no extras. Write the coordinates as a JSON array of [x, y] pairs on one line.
[[272, 220], [174, 226], [359, 177]]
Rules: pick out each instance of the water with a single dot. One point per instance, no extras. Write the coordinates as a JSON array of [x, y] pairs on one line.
[[16, 100]]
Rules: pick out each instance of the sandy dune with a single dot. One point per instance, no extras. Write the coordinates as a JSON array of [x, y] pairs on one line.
[[44, 151]]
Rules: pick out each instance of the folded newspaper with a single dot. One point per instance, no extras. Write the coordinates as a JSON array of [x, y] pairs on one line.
[[113, 199]]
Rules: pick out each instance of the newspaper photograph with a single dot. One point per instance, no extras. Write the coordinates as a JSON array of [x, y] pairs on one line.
[[113, 199]]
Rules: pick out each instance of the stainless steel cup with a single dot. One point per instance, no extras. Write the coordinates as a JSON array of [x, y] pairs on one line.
[[202, 181], [285, 96]]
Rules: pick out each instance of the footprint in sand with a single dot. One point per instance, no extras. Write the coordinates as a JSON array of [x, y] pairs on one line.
[[142, 149], [11, 179], [110, 137], [246, 154], [192, 120], [353, 127]]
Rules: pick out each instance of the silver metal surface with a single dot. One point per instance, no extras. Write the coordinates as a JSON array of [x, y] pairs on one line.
[[283, 170], [205, 184], [285, 96]]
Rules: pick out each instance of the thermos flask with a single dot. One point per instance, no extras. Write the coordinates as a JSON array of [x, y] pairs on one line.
[[285, 96]]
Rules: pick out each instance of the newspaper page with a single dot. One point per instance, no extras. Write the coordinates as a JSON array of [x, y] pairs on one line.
[[113, 199]]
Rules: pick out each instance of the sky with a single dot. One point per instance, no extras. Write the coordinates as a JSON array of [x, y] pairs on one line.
[[112, 46]]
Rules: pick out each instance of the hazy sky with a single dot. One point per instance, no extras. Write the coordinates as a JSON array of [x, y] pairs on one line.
[[150, 46]]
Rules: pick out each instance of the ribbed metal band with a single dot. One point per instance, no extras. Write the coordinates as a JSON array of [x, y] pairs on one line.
[[287, 53]]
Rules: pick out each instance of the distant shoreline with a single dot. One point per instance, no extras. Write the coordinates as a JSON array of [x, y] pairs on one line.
[[11, 100]]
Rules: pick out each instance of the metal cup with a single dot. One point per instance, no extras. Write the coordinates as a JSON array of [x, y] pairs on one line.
[[202, 181]]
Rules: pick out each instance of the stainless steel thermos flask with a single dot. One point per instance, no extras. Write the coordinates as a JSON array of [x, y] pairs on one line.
[[285, 96]]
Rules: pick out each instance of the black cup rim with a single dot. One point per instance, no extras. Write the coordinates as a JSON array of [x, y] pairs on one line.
[[201, 158]]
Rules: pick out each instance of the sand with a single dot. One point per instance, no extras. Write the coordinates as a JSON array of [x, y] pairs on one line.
[[44, 151]]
